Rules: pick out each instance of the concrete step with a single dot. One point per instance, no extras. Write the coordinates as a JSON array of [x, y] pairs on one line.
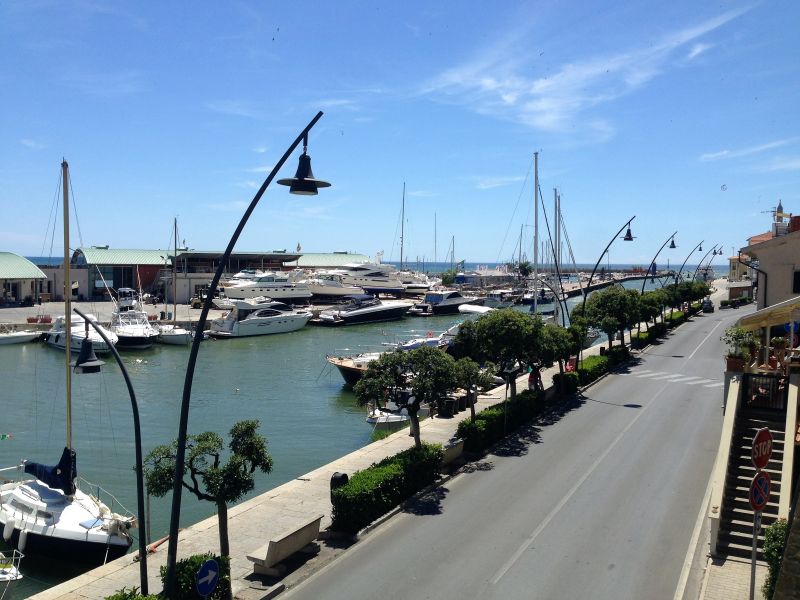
[[740, 547]]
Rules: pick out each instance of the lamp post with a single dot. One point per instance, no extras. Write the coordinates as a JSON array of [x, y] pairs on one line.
[[700, 246], [86, 360], [713, 253], [302, 183], [652, 262], [628, 237]]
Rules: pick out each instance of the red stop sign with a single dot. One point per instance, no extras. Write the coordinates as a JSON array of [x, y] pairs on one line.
[[762, 448]]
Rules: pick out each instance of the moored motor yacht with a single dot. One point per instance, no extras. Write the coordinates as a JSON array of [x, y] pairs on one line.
[[441, 302], [372, 278], [352, 367], [270, 285], [258, 316], [79, 329], [130, 322], [327, 285], [363, 308], [9, 334], [499, 298]]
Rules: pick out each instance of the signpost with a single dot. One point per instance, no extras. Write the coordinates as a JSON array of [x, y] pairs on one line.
[[759, 491], [207, 578]]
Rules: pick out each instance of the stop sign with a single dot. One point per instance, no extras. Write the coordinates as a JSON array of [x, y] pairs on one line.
[[762, 448]]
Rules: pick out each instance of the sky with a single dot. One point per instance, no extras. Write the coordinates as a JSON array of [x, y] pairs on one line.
[[681, 114]]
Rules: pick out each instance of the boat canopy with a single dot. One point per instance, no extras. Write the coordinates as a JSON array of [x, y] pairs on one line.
[[61, 476]]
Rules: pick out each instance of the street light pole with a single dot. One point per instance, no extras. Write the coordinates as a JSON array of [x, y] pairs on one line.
[[697, 269], [627, 237], [652, 262], [700, 245], [303, 183], [137, 442]]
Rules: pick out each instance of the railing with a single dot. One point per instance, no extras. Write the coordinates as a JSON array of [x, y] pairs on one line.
[[765, 391]]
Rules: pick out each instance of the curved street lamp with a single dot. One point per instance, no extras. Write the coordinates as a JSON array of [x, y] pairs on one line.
[[700, 247], [87, 362], [302, 183], [628, 237], [652, 262], [713, 253]]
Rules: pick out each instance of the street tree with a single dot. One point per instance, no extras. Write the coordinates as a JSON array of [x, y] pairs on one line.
[[613, 306], [471, 378], [204, 473]]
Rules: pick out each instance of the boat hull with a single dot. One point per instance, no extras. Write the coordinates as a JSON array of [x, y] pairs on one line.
[[82, 551], [387, 313], [18, 337], [134, 342], [283, 324]]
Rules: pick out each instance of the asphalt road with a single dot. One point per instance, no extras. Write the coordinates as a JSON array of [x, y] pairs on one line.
[[598, 501]]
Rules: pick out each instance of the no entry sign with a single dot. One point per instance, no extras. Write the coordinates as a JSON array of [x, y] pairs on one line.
[[759, 491], [762, 448]]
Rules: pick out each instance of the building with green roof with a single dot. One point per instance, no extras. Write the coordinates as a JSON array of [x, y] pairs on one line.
[[19, 278]]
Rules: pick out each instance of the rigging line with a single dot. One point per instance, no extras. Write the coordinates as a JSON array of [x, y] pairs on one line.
[[555, 262], [52, 218], [75, 210], [569, 247], [514, 213], [396, 227]]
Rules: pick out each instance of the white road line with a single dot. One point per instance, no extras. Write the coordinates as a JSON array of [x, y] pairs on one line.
[[552, 514], [685, 379], [717, 384], [639, 373], [699, 381], [668, 376], [680, 591], [653, 374], [688, 358]]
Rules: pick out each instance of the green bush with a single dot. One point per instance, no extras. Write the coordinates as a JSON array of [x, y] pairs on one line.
[[491, 424], [565, 383], [640, 340], [130, 594], [617, 355], [186, 573], [723, 303], [675, 319], [376, 490], [591, 368], [774, 545], [656, 331]]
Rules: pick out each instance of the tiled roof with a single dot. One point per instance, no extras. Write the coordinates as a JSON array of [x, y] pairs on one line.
[[13, 266], [118, 256]]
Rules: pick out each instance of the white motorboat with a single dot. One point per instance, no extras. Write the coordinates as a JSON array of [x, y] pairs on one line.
[[9, 334], [474, 309], [352, 367], [173, 335], [441, 302], [58, 335], [416, 283], [48, 514], [378, 417], [329, 285], [372, 278], [270, 285], [258, 316], [499, 298], [129, 321], [9, 568], [364, 308]]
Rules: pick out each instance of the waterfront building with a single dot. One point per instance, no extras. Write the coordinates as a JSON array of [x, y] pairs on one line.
[[20, 279]]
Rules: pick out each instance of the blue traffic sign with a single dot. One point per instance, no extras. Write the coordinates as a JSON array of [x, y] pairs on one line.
[[759, 491], [207, 577]]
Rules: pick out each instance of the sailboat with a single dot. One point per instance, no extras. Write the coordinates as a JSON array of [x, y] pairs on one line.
[[171, 333], [47, 514]]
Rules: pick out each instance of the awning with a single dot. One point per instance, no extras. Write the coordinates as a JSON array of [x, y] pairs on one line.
[[777, 314]]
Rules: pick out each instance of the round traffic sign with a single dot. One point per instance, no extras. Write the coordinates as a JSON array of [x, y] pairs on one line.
[[762, 448], [207, 577], [759, 491]]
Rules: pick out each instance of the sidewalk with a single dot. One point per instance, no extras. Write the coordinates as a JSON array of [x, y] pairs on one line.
[[729, 579]]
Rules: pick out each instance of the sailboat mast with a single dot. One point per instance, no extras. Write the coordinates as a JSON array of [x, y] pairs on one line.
[[402, 224], [535, 229], [174, 278], [434, 238], [67, 299]]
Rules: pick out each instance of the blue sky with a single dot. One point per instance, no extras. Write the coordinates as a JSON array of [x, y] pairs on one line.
[[683, 114]]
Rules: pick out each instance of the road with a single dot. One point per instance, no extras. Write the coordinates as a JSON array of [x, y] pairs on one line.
[[599, 501]]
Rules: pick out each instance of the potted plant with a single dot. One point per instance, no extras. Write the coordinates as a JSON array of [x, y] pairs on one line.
[[739, 342], [779, 344]]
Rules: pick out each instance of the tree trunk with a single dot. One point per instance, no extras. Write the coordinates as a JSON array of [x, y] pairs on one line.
[[222, 516], [512, 382], [473, 397], [413, 417]]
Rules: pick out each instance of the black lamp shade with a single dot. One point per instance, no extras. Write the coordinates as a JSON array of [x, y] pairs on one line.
[[87, 361], [628, 237], [303, 182], [672, 244], [700, 249]]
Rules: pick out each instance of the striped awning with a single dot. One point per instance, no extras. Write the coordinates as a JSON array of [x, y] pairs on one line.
[[783, 312]]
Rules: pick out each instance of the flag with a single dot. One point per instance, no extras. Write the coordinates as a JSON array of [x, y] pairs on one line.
[[298, 247]]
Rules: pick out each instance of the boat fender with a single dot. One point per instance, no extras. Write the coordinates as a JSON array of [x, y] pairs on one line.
[[113, 527], [23, 539], [8, 530]]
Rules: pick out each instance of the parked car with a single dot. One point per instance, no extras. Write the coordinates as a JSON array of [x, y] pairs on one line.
[[708, 306]]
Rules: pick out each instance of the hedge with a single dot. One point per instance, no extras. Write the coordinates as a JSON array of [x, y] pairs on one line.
[[377, 489], [774, 544], [491, 424], [675, 319], [657, 330], [591, 368], [565, 383], [617, 355]]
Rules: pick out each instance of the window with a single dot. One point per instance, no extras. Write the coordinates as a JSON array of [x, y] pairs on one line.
[[796, 283]]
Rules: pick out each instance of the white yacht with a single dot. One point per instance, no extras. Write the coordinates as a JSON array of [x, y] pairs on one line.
[[258, 316], [270, 285], [79, 329], [499, 298], [372, 278], [329, 285], [130, 322], [441, 302], [363, 309], [416, 283]]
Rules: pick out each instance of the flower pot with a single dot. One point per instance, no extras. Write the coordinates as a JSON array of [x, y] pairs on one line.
[[734, 363]]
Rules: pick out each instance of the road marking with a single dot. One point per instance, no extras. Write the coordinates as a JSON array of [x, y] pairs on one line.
[[668, 376], [685, 379], [711, 385], [680, 591], [703, 341], [699, 381], [653, 374], [552, 514]]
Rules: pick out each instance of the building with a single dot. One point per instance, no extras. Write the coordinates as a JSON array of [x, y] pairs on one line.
[[21, 280]]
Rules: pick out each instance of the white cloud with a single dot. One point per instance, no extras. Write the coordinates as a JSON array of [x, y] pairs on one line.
[[725, 154], [260, 149], [32, 144], [497, 82], [698, 49], [263, 170], [337, 103], [780, 164], [422, 194], [488, 183], [236, 108]]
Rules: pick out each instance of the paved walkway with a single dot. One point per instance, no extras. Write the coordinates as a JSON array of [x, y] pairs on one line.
[[253, 521], [729, 579]]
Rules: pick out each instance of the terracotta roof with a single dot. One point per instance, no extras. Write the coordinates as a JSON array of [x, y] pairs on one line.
[[761, 237]]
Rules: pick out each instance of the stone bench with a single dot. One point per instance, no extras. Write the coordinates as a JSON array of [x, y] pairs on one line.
[[283, 545]]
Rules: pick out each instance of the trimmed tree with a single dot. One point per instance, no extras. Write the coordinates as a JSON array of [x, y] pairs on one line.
[[204, 473], [470, 377]]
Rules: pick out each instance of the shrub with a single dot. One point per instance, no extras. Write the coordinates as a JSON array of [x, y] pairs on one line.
[[617, 354], [774, 544], [591, 368], [376, 490], [640, 340], [130, 594], [491, 425], [186, 572], [724, 303], [675, 319], [658, 330], [565, 383]]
